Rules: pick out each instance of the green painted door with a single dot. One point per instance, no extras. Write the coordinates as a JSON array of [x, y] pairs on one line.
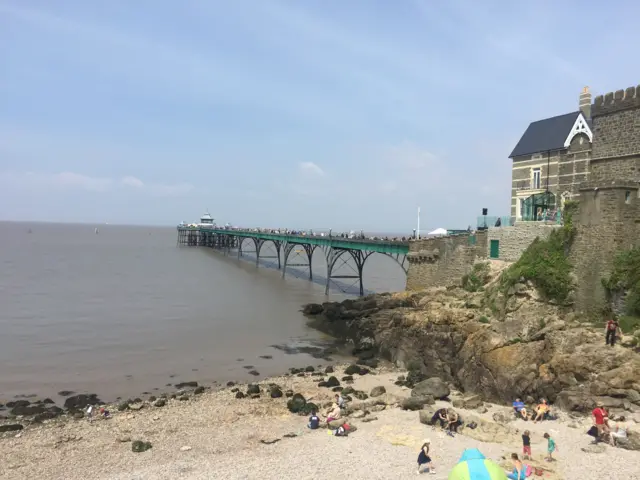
[[494, 249]]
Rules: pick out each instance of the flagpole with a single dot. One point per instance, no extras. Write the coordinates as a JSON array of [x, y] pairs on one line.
[[418, 227]]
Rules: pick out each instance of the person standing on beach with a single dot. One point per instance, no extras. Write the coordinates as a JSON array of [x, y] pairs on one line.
[[551, 447], [600, 420], [424, 459], [526, 445], [612, 330]]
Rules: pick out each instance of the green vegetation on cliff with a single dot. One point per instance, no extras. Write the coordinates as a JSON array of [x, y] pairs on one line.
[[545, 262], [477, 277], [625, 278]]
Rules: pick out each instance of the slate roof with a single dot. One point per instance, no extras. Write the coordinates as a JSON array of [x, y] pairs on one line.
[[546, 135]]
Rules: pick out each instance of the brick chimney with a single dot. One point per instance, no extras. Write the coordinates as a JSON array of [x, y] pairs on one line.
[[585, 102]]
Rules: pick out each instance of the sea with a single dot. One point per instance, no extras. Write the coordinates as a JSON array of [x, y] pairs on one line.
[[124, 310]]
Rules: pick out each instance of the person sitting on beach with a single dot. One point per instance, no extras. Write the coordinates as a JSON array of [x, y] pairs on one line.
[[425, 459], [314, 420], [340, 400], [441, 417], [334, 414], [453, 422], [618, 432], [541, 411], [520, 409], [519, 472]]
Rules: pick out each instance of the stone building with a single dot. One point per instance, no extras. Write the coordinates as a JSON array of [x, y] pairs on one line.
[[550, 161], [609, 202]]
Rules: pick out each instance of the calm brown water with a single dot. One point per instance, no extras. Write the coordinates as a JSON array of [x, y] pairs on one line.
[[127, 311]]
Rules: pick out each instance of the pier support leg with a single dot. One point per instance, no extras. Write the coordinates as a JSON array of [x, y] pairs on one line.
[[258, 243], [359, 258], [287, 248]]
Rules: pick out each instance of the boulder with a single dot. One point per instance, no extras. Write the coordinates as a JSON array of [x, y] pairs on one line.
[[275, 392], [332, 382], [312, 309], [329, 369], [28, 410], [182, 385], [417, 403], [161, 402], [297, 403], [198, 390], [253, 389], [139, 446], [360, 395], [487, 431], [352, 370], [433, 387], [377, 391], [503, 416], [12, 427], [79, 402], [239, 395]]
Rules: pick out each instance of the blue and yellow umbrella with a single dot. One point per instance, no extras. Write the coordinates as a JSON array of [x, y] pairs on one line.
[[474, 466]]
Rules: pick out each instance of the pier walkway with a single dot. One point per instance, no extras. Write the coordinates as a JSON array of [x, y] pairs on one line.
[[336, 250]]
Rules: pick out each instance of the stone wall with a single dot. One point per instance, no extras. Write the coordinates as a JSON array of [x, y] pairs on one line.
[[441, 261], [515, 240], [616, 123], [607, 221]]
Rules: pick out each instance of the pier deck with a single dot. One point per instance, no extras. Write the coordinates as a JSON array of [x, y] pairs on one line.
[[334, 248]]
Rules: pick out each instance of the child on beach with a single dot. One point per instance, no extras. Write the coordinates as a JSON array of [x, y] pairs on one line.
[[551, 447], [314, 420], [526, 445], [519, 472], [425, 459]]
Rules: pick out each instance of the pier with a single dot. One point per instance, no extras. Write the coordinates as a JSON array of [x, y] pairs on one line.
[[336, 250]]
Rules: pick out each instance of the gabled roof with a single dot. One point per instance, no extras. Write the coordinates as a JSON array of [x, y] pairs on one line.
[[547, 135]]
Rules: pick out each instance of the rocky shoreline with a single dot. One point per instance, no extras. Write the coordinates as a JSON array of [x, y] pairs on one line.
[[198, 432], [530, 349]]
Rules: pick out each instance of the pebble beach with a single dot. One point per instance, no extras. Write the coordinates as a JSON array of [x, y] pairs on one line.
[[216, 436]]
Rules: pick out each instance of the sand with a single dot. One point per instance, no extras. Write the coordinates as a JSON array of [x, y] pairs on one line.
[[215, 436]]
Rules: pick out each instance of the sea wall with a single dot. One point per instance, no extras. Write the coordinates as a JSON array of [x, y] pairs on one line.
[[512, 241], [440, 261]]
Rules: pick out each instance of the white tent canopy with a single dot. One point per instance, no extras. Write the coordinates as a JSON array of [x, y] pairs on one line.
[[438, 231]]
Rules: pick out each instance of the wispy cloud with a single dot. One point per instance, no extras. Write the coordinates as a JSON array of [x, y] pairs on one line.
[[72, 181], [311, 169]]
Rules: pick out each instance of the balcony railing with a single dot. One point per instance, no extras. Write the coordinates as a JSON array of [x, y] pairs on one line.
[[524, 185], [491, 221]]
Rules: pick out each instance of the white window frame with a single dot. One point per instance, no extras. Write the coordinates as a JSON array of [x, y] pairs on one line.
[[537, 170]]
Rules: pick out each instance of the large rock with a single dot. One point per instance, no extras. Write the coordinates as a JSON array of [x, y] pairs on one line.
[[487, 431], [417, 403], [297, 403], [79, 402], [433, 387], [12, 427], [377, 391]]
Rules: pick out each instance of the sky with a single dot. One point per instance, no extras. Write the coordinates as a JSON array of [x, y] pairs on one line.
[[310, 114]]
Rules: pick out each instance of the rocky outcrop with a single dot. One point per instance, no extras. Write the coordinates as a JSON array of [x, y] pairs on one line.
[[526, 348]]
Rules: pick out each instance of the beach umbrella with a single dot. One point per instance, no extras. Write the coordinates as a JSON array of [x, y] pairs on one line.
[[474, 466]]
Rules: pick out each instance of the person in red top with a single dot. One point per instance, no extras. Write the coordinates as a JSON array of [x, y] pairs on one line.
[[601, 418], [611, 331]]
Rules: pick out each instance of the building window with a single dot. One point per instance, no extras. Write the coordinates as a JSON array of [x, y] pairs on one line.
[[536, 179], [627, 197]]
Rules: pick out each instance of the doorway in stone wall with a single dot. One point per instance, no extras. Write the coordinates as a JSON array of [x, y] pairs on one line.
[[494, 249]]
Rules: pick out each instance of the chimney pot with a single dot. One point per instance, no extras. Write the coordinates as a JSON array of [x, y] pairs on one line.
[[585, 102]]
